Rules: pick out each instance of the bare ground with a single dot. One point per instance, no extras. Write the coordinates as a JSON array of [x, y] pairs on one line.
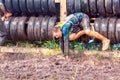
[[25, 67]]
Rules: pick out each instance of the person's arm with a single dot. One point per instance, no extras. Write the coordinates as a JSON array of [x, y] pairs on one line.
[[65, 31], [66, 46], [62, 45]]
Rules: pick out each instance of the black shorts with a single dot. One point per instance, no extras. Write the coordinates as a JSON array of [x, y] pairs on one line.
[[76, 29]]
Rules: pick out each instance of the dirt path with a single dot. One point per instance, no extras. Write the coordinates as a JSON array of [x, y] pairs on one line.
[[22, 67]]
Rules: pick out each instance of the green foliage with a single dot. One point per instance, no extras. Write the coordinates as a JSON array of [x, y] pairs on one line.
[[26, 44], [54, 44], [51, 44], [77, 45], [9, 43], [20, 44], [83, 46], [115, 46]]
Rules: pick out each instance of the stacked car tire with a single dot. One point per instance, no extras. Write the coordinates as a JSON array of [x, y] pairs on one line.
[[33, 19], [109, 27], [94, 7], [108, 24], [29, 28], [31, 6]]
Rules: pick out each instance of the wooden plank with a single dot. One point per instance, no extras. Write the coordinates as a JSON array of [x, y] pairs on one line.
[[35, 51], [57, 1], [45, 51], [93, 18], [63, 10]]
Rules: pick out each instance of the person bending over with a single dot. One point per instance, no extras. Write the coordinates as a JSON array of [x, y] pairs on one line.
[[64, 30]]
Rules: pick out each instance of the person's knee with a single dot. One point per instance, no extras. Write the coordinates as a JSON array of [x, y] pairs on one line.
[[87, 31], [72, 36]]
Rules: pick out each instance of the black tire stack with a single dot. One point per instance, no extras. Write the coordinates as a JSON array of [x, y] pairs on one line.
[[94, 8], [109, 27], [29, 28], [31, 20], [108, 24], [31, 7]]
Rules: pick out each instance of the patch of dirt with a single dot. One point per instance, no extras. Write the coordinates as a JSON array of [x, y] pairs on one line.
[[24, 67]]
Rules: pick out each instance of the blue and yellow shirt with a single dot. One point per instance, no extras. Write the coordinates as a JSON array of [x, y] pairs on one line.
[[67, 24]]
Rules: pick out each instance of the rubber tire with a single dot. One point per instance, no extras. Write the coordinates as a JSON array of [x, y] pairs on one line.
[[70, 6], [21, 29], [8, 5], [37, 24], [16, 6], [37, 28], [117, 31], [44, 28], [7, 26], [97, 24], [52, 7], [51, 23], [93, 7], [101, 7], [108, 6], [85, 6], [77, 6], [30, 6], [13, 28], [23, 6], [37, 6], [116, 7], [104, 27], [44, 6], [30, 29], [111, 30]]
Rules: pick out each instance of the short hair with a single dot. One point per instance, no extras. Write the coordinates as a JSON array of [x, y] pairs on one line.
[[54, 29]]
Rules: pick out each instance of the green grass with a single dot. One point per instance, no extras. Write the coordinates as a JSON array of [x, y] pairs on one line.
[[20, 44], [51, 44], [54, 44]]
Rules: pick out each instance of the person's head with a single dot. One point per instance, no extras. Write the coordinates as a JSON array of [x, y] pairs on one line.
[[56, 32]]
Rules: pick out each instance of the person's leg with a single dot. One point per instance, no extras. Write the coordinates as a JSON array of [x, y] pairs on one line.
[[91, 33], [97, 35], [74, 36], [85, 23]]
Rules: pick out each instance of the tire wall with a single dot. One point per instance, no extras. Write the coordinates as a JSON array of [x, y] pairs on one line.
[[33, 19]]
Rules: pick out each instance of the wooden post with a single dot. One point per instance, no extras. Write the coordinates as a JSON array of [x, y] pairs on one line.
[[57, 1], [63, 10]]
